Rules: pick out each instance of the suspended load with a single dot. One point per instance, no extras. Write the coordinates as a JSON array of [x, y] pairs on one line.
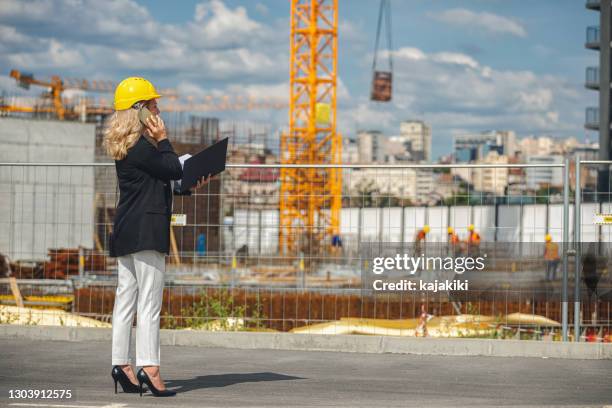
[[382, 80], [382, 86]]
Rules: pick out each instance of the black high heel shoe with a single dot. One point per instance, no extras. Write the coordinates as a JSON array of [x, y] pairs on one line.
[[121, 377], [143, 377]]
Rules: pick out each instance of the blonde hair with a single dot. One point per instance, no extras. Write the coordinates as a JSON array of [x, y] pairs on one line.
[[121, 131]]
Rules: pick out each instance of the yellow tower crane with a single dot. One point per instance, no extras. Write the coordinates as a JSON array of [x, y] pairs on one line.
[[310, 198]]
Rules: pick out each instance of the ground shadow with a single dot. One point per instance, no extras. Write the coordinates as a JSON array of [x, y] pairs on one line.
[[223, 380]]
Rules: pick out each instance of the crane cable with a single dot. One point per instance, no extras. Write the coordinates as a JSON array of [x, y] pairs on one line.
[[385, 9]]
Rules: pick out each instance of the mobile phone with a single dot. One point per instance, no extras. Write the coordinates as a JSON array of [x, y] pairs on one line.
[[144, 114]]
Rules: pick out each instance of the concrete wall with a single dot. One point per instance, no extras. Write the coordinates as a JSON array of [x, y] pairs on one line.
[[45, 207]]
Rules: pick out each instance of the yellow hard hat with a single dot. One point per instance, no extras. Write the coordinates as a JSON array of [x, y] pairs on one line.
[[548, 238], [133, 89], [426, 228], [471, 227], [450, 230]]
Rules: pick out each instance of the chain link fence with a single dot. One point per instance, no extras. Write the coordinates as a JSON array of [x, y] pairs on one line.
[[227, 271]]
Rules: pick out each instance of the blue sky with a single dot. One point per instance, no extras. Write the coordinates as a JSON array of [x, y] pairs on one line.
[[462, 66]]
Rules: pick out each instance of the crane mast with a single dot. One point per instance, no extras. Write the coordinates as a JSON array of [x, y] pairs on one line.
[[310, 198]]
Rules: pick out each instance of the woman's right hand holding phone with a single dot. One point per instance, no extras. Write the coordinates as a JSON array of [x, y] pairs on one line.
[[156, 128]]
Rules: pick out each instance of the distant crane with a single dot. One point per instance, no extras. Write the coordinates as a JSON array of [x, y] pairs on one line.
[[171, 102], [56, 87]]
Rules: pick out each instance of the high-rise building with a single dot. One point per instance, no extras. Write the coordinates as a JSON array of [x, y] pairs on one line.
[[416, 136], [486, 179], [491, 179], [536, 146], [600, 78], [585, 151], [350, 151], [542, 177], [414, 184], [396, 150], [475, 147], [547, 146], [370, 146]]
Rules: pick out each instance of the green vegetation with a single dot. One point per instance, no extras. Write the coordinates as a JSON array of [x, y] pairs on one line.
[[218, 312], [458, 199], [544, 194], [7, 318]]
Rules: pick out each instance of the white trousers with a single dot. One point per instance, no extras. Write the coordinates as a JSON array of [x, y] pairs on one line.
[[140, 286]]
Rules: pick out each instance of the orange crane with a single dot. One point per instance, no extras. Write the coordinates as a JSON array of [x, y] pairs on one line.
[[56, 87], [310, 198], [172, 103]]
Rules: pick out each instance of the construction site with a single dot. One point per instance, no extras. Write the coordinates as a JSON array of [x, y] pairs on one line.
[[275, 242]]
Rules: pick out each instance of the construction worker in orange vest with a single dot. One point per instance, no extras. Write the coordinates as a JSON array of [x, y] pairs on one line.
[[421, 237], [454, 243], [473, 240], [473, 236], [422, 234], [551, 255], [453, 238]]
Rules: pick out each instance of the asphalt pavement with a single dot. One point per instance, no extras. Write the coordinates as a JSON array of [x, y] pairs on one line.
[[215, 377]]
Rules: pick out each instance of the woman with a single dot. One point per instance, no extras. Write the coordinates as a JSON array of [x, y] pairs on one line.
[[146, 164]]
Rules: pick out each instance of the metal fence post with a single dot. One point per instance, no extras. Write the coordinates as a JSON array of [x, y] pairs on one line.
[[577, 250], [564, 305], [259, 232]]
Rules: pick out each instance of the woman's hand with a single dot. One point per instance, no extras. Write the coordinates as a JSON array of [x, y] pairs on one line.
[[202, 182], [156, 128]]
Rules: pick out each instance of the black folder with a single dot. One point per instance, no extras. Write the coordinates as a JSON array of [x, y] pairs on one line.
[[209, 161]]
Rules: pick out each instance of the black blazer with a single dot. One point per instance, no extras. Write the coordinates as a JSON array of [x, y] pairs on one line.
[[142, 220]]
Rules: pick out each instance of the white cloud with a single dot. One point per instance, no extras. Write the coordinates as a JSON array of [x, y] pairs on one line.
[[262, 9], [191, 89], [121, 36], [277, 91], [109, 22], [215, 25], [455, 58], [35, 10], [57, 55], [351, 32], [365, 115], [408, 53], [455, 93], [457, 81], [538, 100], [489, 22], [12, 39], [273, 91]]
